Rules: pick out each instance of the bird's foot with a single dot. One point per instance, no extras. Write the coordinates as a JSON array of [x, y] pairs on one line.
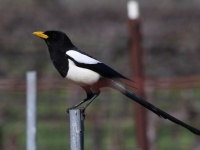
[[81, 109], [68, 109], [73, 107]]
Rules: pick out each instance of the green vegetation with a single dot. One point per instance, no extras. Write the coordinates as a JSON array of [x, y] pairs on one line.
[[109, 122]]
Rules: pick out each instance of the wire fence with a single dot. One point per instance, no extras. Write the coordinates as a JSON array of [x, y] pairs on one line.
[[193, 81], [109, 123]]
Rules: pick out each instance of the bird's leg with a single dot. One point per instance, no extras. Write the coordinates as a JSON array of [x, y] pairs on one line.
[[96, 93], [89, 96], [90, 101]]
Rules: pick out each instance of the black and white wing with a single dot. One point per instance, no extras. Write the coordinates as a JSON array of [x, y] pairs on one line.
[[85, 61]]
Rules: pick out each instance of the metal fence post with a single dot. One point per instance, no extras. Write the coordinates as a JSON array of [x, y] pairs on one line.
[[31, 111], [137, 65], [76, 129]]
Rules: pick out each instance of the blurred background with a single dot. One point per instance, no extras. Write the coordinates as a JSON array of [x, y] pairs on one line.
[[170, 40]]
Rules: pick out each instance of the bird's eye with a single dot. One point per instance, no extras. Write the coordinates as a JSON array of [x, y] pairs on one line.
[[53, 36]]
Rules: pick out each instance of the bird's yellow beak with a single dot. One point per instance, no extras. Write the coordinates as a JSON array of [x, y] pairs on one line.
[[40, 34]]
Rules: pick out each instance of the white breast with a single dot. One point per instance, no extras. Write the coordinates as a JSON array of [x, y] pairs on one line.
[[80, 75]]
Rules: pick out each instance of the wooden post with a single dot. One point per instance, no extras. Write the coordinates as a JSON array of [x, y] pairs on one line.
[[138, 76]]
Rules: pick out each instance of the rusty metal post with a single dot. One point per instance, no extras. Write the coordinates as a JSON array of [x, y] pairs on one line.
[[138, 75]]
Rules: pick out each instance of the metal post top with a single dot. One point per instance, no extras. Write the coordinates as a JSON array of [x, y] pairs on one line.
[[133, 9], [76, 129], [77, 112]]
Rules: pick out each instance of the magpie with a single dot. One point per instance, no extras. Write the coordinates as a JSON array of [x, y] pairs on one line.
[[91, 74]]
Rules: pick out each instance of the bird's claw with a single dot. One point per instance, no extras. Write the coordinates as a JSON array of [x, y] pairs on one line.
[[68, 109], [81, 109]]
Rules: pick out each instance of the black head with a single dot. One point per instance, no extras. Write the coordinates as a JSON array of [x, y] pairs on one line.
[[56, 40]]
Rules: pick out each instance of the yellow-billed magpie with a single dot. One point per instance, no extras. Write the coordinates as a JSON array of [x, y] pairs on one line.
[[91, 74]]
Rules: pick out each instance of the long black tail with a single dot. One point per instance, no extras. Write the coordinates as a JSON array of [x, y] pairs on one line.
[[151, 107]]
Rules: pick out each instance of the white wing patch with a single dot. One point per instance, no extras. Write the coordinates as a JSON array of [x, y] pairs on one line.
[[81, 58], [81, 76]]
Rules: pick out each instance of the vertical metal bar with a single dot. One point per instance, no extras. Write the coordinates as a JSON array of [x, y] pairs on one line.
[[31, 111], [136, 57], [76, 129], [1, 135]]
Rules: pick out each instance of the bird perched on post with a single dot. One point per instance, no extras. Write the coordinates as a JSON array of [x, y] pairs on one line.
[[91, 74]]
